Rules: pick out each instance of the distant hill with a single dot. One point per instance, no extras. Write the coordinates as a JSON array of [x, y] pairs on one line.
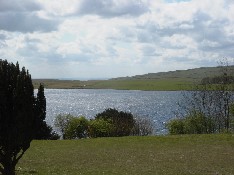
[[162, 81], [186, 75]]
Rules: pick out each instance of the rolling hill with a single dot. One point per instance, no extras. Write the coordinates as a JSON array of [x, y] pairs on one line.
[[172, 80], [188, 75]]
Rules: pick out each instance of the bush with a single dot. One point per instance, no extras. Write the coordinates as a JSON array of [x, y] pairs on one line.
[[109, 123], [195, 123], [100, 128], [198, 123], [123, 122], [61, 123], [142, 127], [77, 128], [176, 126]]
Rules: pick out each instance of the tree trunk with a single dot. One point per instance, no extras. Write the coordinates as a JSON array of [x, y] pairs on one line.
[[8, 168]]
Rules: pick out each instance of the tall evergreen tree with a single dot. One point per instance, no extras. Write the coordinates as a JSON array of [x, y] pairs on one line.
[[16, 115], [42, 130], [19, 114], [40, 110]]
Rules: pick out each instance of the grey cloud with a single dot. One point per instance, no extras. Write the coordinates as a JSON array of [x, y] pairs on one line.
[[145, 37], [194, 28], [15, 5], [181, 59], [153, 33], [2, 44], [205, 62], [2, 40], [21, 16], [109, 8], [25, 22], [208, 31], [31, 50], [150, 51], [202, 28], [193, 63], [2, 37], [112, 51], [58, 59]]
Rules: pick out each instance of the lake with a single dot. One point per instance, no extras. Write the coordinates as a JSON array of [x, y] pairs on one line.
[[158, 106]]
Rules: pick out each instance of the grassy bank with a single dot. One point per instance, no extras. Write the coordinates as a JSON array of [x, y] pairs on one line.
[[193, 154], [150, 85]]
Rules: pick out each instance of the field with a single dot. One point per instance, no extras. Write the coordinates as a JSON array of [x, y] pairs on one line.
[[162, 81], [149, 85], [188, 154]]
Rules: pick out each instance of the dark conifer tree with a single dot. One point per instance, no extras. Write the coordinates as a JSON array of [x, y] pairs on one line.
[[16, 115], [20, 113], [42, 130]]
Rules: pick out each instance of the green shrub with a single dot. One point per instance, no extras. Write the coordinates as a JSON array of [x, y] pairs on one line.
[[198, 123], [176, 126], [100, 128], [61, 123], [123, 122], [77, 128], [194, 123]]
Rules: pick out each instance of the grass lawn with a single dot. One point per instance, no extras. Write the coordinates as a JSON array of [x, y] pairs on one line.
[[188, 154]]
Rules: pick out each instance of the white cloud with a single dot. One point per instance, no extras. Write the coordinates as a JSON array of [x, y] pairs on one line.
[[111, 38], [112, 8], [58, 8]]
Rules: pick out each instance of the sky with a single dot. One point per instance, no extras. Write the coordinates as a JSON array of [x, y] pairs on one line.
[[94, 39]]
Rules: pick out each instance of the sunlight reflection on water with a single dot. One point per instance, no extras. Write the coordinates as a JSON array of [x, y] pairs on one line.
[[158, 106]]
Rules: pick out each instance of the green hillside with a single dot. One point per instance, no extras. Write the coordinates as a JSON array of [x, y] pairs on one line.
[[166, 81], [187, 75]]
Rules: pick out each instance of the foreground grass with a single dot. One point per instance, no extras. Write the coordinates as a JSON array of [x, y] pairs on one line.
[[190, 154]]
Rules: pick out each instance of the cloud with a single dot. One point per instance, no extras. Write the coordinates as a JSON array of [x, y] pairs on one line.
[[204, 28], [21, 22], [112, 8], [23, 16], [2, 37], [18, 6], [111, 38], [2, 41]]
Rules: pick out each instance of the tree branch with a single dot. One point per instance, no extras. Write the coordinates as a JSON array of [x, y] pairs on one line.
[[16, 159]]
